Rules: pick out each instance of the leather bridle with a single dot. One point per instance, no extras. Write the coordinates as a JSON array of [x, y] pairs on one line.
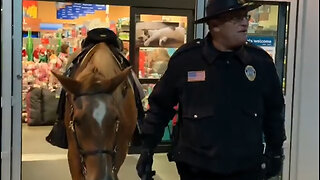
[[83, 153]]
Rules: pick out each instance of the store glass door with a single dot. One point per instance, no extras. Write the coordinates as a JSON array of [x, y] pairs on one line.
[[51, 35], [6, 91], [155, 35], [268, 29]]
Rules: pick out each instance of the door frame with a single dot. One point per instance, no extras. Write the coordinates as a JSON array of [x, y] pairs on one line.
[[6, 56], [11, 75], [291, 125], [289, 150], [11, 36], [11, 86]]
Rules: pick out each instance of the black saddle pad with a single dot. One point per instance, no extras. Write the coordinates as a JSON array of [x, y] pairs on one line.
[[58, 135]]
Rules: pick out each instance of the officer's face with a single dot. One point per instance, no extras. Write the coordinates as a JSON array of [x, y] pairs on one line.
[[231, 28]]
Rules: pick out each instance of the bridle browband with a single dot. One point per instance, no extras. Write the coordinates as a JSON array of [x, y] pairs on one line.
[[83, 153]]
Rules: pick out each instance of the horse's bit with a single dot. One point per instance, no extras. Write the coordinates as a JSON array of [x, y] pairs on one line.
[[84, 154]]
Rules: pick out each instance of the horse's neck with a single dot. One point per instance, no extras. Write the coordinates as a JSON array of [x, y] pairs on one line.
[[101, 58]]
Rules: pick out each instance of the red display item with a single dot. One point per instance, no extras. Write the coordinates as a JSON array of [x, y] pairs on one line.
[[73, 33], [113, 28], [84, 31], [175, 118], [142, 59], [36, 53], [24, 53], [44, 41]]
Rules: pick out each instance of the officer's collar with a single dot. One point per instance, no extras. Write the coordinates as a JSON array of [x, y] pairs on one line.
[[211, 53]]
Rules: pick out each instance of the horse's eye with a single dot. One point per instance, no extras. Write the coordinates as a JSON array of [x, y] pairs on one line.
[[76, 122]]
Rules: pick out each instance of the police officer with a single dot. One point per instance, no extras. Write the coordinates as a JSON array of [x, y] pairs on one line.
[[230, 102]]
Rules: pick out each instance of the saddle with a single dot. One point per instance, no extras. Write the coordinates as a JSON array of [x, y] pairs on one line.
[[57, 136]]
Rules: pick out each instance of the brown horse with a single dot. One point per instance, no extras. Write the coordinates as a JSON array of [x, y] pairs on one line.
[[100, 114]]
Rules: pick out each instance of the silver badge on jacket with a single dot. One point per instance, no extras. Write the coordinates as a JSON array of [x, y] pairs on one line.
[[250, 73]]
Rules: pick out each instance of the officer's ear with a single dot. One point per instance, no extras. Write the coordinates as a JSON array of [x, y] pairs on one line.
[[216, 29], [213, 25]]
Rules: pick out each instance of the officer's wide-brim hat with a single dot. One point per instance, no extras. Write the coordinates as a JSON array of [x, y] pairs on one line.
[[101, 35], [218, 7]]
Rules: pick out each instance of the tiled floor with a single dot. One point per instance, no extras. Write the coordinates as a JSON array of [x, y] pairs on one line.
[[41, 161]]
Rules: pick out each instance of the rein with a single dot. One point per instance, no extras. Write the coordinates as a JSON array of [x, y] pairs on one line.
[[84, 154]]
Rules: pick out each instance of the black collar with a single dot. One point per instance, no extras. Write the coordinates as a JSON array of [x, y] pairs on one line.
[[210, 53]]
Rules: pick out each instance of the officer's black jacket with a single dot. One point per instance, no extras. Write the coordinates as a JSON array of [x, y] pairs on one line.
[[223, 119]]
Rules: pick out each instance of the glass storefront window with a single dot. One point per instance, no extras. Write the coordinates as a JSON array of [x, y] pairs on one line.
[[53, 31], [263, 26], [264, 31], [268, 29], [157, 38], [158, 34]]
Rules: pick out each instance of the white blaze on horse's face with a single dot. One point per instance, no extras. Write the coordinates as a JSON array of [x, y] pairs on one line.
[[100, 112]]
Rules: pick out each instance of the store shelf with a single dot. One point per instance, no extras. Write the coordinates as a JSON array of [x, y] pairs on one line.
[[125, 28]]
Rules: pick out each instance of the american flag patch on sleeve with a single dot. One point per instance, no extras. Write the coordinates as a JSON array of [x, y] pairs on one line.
[[194, 76]]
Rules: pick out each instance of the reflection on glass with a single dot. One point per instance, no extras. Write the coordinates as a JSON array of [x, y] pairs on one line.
[[264, 20], [157, 37], [160, 34], [262, 31], [263, 25], [153, 62], [147, 89]]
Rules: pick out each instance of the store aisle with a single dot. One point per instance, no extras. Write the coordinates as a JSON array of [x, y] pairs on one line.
[[41, 161]]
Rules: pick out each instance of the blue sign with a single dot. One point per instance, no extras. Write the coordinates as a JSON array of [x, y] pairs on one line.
[[100, 7], [75, 10], [261, 41], [47, 26]]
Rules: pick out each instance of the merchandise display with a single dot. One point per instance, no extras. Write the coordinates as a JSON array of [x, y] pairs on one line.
[[43, 43], [29, 46], [46, 35], [154, 62], [37, 75], [157, 38]]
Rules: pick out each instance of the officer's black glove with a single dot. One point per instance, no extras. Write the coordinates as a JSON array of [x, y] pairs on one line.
[[274, 161], [274, 166], [144, 165]]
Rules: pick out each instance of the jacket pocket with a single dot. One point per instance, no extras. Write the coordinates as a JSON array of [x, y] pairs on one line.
[[196, 128], [253, 135], [196, 113], [252, 114]]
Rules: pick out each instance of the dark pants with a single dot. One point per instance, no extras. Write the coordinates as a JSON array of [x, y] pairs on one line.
[[188, 172]]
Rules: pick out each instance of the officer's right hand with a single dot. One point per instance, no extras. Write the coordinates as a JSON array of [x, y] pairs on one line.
[[144, 165], [274, 166]]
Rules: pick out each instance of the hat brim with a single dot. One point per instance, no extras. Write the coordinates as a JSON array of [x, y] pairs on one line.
[[247, 6]]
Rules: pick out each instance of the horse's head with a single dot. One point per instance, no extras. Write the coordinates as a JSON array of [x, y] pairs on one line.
[[94, 121]]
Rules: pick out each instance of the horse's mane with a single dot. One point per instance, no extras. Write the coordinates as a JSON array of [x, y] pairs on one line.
[[99, 64]]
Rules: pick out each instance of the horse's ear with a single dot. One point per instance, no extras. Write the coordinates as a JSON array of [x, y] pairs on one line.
[[68, 84], [111, 84]]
